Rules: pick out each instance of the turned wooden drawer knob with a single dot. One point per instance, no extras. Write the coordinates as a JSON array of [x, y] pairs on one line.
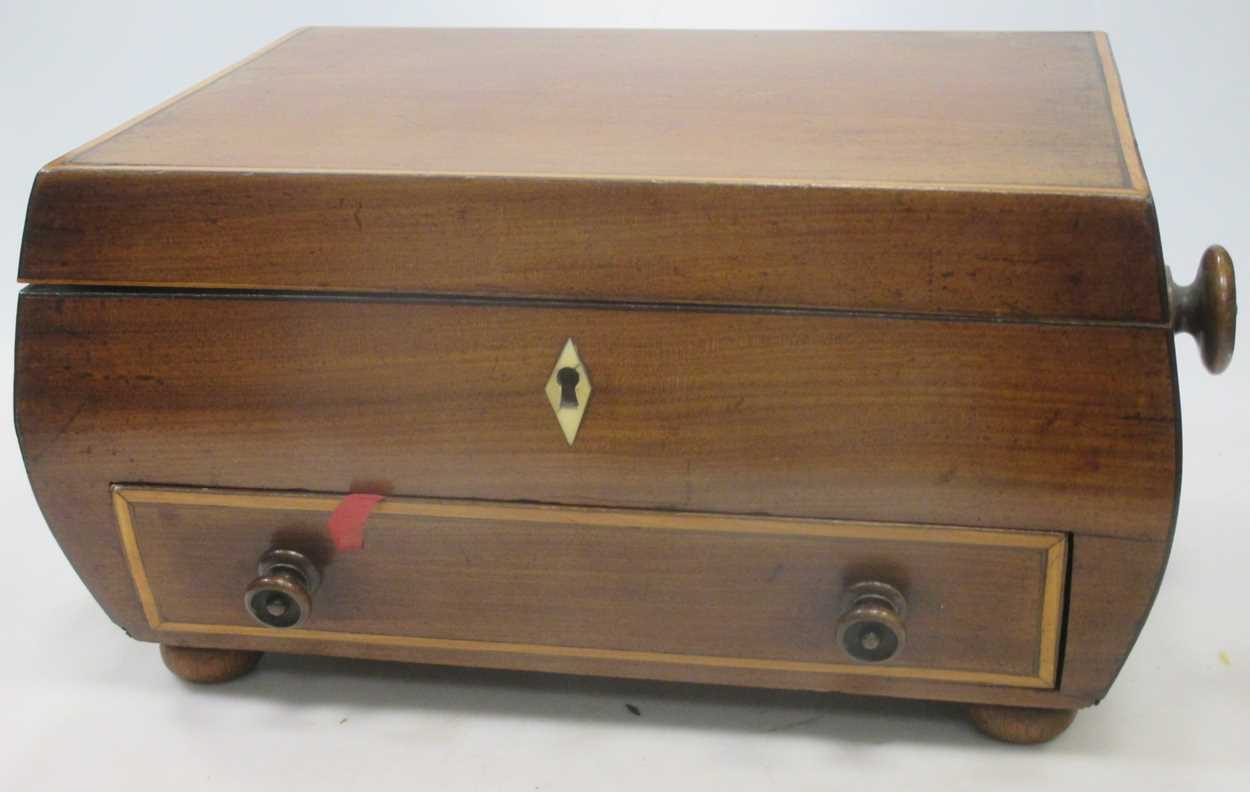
[[871, 627], [282, 594], [1207, 308]]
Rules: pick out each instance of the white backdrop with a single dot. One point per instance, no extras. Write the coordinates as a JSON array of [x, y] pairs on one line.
[[85, 706]]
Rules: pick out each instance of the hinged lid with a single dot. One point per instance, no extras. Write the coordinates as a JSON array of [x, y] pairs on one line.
[[920, 173]]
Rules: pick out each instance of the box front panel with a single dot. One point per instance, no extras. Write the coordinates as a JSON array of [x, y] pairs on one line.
[[1068, 428]]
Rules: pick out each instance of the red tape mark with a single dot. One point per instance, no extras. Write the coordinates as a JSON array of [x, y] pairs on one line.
[[347, 523]]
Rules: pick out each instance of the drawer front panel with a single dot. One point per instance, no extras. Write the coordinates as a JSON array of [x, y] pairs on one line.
[[982, 606]]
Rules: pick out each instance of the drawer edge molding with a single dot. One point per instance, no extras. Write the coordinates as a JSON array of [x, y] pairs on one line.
[[1051, 546]]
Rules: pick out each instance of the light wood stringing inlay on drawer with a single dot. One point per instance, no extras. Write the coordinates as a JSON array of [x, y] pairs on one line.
[[985, 606]]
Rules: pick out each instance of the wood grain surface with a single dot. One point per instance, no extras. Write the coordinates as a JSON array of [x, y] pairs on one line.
[[1022, 110], [955, 174], [1063, 428], [983, 607], [1058, 257], [1044, 427], [865, 277], [1114, 582]]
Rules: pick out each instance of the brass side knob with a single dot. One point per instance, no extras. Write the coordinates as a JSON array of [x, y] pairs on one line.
[[871, 629], [1207, 308], [281, 595]]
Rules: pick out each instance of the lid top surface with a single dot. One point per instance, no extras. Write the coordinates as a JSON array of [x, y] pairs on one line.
[[968, 175], [995, 111]]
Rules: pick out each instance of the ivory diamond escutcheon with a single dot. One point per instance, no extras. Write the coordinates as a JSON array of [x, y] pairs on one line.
[[568, 390]]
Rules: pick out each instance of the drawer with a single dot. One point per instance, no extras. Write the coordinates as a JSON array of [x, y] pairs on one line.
[[789, 595]]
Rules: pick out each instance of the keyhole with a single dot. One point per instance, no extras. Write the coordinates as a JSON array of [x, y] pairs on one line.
[[568, 378]]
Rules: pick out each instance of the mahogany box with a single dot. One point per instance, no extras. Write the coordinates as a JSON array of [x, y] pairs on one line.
[[803, 360]]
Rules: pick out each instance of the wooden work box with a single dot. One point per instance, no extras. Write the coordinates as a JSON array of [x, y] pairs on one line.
[[826, 361]]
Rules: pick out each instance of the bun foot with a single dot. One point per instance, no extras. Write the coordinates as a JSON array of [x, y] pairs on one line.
[[1020, 725], [208, 666]]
